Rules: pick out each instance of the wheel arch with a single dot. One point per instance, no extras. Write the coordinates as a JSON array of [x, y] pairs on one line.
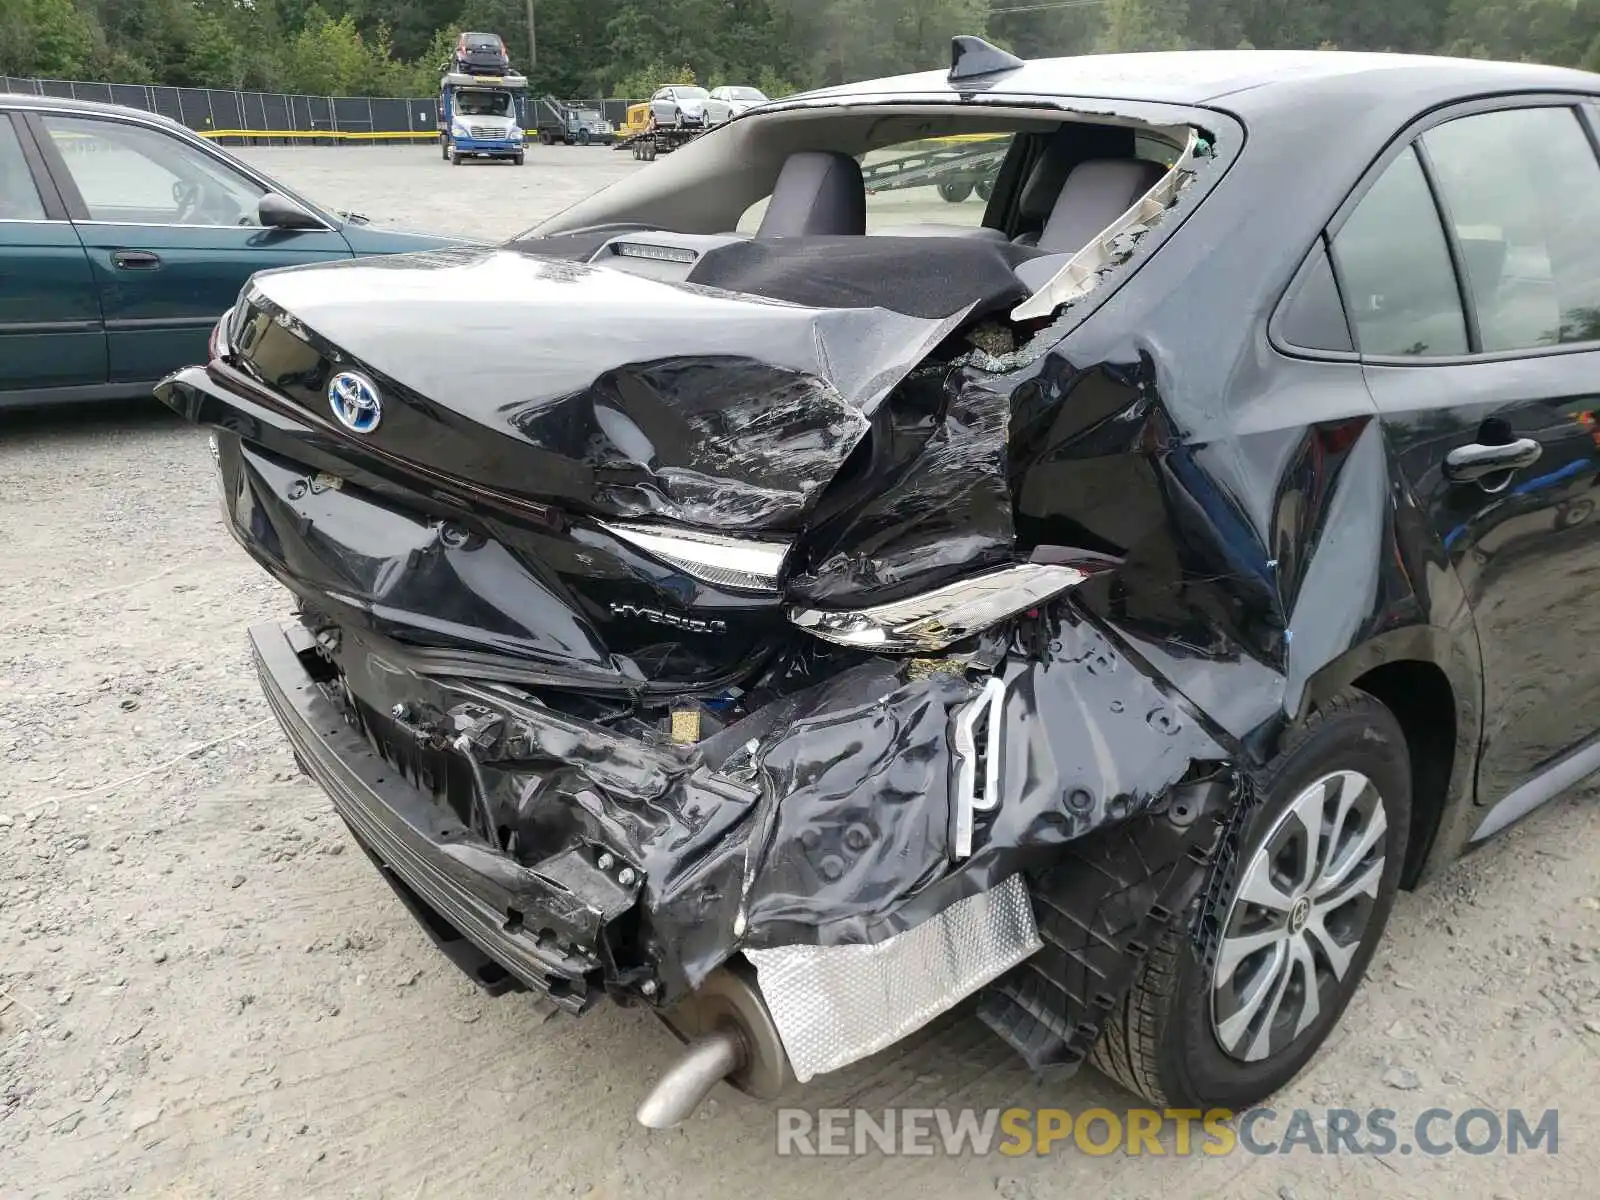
[[1431, 684]]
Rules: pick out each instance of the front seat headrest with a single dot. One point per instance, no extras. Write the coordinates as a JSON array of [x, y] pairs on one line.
[[818, 193], [1095, 194]]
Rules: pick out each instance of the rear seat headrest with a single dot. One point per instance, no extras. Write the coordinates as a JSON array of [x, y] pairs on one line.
[[1095, 194], [818, 193], [1066, 148]]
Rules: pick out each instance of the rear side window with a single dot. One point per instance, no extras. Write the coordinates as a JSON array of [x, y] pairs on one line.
[[1313, 317], [19, 199], [1394, 263], [1521, 189]]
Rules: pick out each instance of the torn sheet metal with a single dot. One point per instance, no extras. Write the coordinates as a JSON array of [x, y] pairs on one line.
[[579, 607], [835, 1005], [826, 816], [946, 513], [650, 418]]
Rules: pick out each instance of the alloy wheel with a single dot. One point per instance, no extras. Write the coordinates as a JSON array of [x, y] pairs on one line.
[[1304, 903]]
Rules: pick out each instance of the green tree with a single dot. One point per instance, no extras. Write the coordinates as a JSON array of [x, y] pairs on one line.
[[1132, 25], [329, 58], [642, 83], [1048, 33], [45, 37]]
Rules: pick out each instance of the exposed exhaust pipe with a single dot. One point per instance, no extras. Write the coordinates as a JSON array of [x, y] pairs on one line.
[[728, 1035], [705, 1063]]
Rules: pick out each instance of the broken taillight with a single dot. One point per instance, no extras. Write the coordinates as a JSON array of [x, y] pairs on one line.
[[744, 564], [938, 619]]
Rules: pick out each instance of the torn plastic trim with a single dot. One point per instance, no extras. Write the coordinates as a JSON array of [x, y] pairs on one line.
[[1083, 271], [747, 564], [938, 619], [989, 709]]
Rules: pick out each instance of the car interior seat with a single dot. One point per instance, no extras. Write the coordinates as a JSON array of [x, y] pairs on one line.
[[1095, 194], [818, 193], [1068, 146]]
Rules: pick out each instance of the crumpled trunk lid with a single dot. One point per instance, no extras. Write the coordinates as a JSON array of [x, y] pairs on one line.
[[589, 388], [529, 413]]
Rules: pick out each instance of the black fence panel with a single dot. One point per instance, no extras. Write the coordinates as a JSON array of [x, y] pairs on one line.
[[616, 111], [424, 114], [194, 108], [267, 117], [227, 110], [319, 113], [275, 113], [352, 114], [100, 93], [130, 95], [165, 102], [389, 116]]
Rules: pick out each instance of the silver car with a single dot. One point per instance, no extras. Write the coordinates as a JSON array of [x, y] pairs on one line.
[[727, 103], [680, 105]]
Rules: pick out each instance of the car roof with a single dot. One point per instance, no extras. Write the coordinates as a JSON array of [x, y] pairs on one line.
[[1254, 79]]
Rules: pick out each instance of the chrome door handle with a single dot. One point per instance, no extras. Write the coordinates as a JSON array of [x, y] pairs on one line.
[[1477, 462]]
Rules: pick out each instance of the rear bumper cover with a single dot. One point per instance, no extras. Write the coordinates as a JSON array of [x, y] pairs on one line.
[[402, 828]]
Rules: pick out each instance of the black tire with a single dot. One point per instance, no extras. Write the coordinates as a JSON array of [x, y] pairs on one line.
[[455, 159], [955, 193], [544, 137], [583, 137], [1160, 1042], [519, 160], [985, 189]]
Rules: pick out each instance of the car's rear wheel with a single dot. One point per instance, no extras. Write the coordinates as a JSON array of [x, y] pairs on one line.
[[955, 193], [1318, 867]]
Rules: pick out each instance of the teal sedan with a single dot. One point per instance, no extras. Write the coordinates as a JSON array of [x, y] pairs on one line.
[[124, 236]]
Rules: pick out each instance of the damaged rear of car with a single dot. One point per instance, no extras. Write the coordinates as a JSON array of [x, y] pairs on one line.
[[799, 630]]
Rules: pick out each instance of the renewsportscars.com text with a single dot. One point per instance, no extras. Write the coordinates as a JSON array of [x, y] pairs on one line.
[[846, 1132]]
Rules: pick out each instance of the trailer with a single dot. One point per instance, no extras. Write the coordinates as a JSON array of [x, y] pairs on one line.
[[957, 166], [657, 140], [482, 116]]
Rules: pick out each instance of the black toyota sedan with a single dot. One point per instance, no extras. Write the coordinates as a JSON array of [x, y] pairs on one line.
[[750, 598]]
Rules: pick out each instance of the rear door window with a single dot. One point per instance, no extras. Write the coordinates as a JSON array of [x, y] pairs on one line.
[[1521, 189], [1394, 264]]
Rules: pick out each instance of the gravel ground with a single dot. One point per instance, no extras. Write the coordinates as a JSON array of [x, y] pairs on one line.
[[206, 990]]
